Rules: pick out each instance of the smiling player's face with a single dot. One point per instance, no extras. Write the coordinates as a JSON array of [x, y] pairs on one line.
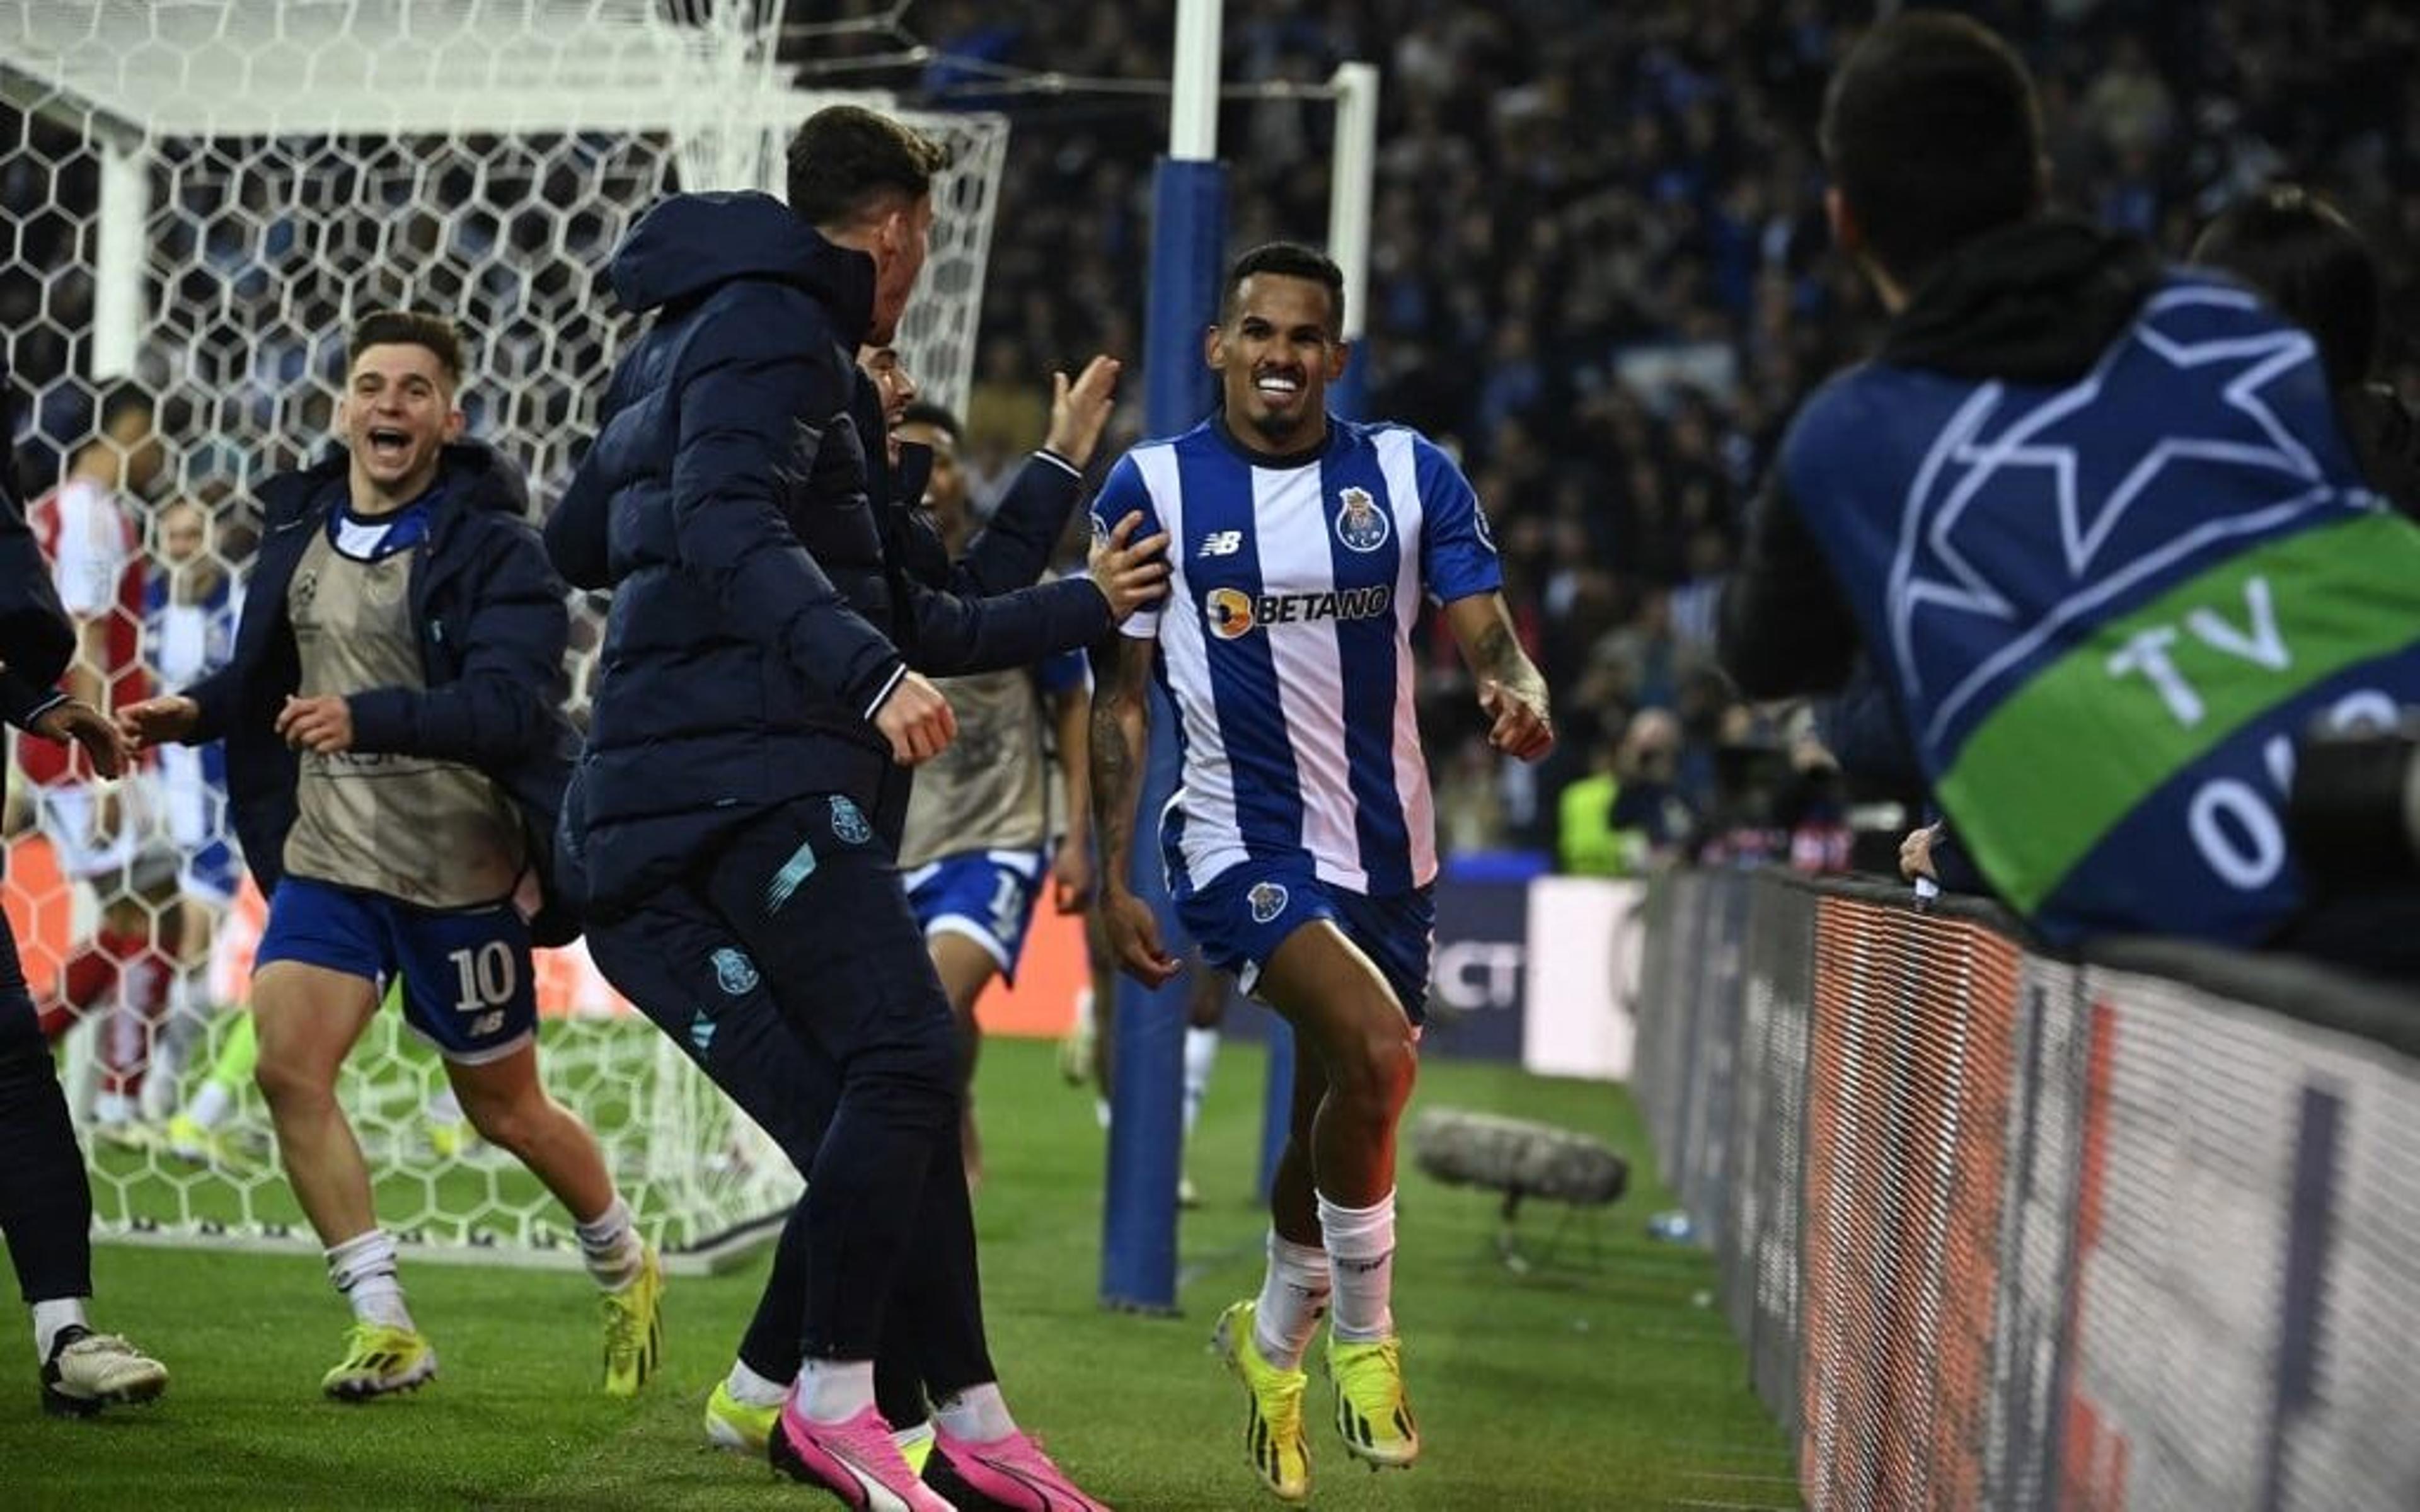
[[1275, 355], [398, 414]]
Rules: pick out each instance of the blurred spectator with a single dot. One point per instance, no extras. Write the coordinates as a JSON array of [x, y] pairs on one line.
[[191, 603], [100, 831], [1629, 812], [2102, 677], [1585, 843], [1650, 817], [2297, 249]]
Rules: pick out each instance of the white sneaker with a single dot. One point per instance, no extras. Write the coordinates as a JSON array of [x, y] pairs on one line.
[[88, 1371]]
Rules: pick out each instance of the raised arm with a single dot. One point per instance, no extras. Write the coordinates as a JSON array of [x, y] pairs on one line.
[[1121, 741], [1511, 692], [1014, 547]]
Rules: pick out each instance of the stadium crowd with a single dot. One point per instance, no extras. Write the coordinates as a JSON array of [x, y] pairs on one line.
[[1601, 269], [1601, 276]]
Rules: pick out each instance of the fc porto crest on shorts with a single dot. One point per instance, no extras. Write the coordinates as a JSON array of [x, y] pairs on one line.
[[1361, 524], [734, 972], [849, 822], [1268, 900]]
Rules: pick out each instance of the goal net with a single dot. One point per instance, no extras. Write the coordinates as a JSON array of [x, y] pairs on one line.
[[203, 194]]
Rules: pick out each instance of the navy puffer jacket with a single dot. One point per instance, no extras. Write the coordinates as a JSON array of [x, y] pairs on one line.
[[757, 622]]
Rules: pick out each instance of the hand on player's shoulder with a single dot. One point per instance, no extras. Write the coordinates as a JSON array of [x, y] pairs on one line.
[[1131, 574]]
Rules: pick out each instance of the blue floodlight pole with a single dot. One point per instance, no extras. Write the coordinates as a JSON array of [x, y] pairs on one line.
[[1147, 1062]]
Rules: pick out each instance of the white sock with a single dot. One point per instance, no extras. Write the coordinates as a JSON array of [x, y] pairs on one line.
[[1361, 1258], [1101, 1111], [211, 1105], [834, 1391], [52, 1319], [748, 1389], [443, 1107], [610, 1246], [171, 1043], [363, 1269], [1293, 1298], [113, 1108], [978, 1415], [1201, 1054]]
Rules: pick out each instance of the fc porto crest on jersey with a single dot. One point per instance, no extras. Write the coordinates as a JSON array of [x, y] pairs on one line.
[[734, 973], [1267, 900], [849, 822], [1361, 524]]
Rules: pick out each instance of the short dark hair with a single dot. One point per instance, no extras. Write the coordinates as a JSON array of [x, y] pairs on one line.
[[845, 159], [407, 328], [2300, 250], [1932, 136], [925, 412], [1288, 259]]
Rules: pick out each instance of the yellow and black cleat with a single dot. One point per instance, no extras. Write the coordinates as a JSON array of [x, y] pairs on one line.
[[1371, 1411], [379, 1360], [634, 1328], [1274, 1440]]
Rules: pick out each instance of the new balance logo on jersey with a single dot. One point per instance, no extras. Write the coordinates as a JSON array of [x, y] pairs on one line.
[[1222, 543], [1232, 612]]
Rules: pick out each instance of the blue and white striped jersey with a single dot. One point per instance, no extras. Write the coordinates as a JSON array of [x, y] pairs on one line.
[[1284, 642]]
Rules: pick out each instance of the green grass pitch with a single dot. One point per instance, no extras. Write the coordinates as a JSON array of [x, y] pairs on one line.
[[1594, 1381]]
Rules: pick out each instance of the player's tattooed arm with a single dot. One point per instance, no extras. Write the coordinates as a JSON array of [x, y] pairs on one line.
[[1511, 692], [1121, 739], [1120, 733]]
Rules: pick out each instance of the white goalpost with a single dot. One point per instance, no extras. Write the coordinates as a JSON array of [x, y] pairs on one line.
[[204, 193]]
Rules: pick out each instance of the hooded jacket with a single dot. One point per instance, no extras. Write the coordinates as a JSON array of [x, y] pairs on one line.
[[758, 619], [36, 640], [492, 623], [2098, 524]]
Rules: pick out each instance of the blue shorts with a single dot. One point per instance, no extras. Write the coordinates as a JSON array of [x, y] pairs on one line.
[[1248, 910], [468, 988], [213, 873], [988, 896]]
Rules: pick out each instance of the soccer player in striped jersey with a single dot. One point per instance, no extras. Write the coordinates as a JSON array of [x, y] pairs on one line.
[[1301, 844]]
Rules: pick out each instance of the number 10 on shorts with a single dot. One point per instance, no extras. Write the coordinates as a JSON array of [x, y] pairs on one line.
[[485, 977]]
